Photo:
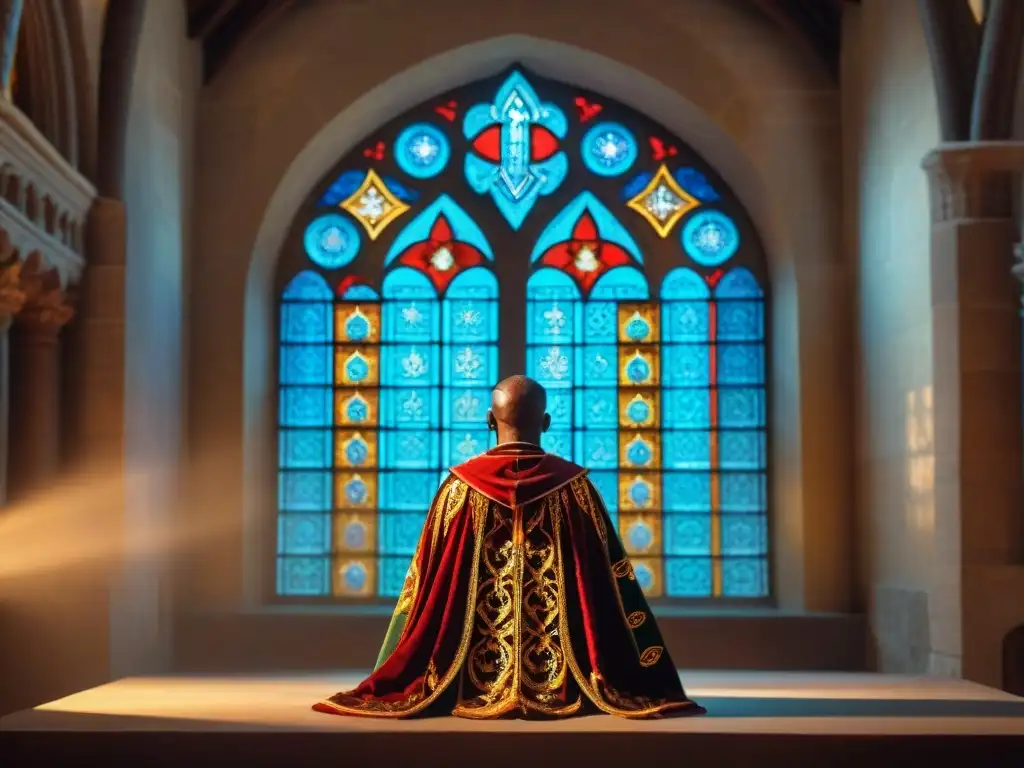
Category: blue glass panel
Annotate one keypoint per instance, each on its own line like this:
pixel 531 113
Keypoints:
pixel 470 320
pixel 686 409
pixel 342 188
pixel 621 284
pixel 685 365
pixel 600 449
pixel 740 364
pixel 412 408
pixel 410 365
pixel 633 187
pixel 551 365
pixel 516 180
pixel 307 322
pixel 561 228
pixel 687 491
pixel 468 407
pixel 409 449
pixel 608 149
pixel 308 286
pixel 743 492
pixel 463 445
pixel 422 151
pixel 558 443
pixel 741 408
pixel 475 283
pixel 710 238
pixel 560 408
pixel 744 535
pixel 740 321
pixel 304 491
pixel 738 283
pixel 688 577
pixel 305 449
pixel 391 573
pixel 470 365
pixel 747 577
pixel 331 241
pixel 463 228
pixel 306 407
pixel 689 449
pixel 599 408
pixel 402 192
pixel 694 182
pixel 400 533
pixel 599 366
pixel 301 534
pixel 687 535
pixel 408 490
pixel 548 283
pixel 601 322
pixel 306 364
pixel 551 321
pixel 410 320
pixel 360 292
pixel 742 450
pixel 683 283
pixel 685 321
pixel 407 283
pixel 607 484
pixel 303 576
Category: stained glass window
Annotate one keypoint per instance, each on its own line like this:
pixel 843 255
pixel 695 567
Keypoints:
pixel 631 286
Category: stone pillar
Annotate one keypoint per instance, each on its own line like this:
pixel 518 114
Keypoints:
pixel 12 298
pixel 35 425
pixel 979 486
pixel 10 25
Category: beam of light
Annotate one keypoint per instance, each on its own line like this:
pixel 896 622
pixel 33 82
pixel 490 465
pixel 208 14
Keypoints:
pixel 103 516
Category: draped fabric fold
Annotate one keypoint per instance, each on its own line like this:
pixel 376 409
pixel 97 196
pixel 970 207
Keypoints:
pixel 520 601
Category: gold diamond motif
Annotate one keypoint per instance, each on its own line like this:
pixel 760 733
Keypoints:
pixel 374 205
pixel 663 202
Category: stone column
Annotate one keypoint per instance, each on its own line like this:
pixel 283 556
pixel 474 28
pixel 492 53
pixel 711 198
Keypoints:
pixel 35 424
pixel 979 486
pixel 12 298
pixel 10 25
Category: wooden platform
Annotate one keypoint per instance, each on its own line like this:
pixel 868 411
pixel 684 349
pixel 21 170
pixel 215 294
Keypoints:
pixel 755 718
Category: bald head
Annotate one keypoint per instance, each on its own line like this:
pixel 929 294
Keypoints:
pixel 519 410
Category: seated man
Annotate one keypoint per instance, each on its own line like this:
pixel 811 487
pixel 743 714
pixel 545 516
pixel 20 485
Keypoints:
pixel 520 599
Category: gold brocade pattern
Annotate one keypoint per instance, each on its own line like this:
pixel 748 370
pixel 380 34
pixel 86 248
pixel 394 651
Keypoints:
pixel 581 491
pixel 456 501
pixel 636 619
pixel 516 661
pixel 623 569
pixel 651 655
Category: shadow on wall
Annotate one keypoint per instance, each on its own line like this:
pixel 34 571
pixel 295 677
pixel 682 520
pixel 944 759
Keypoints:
pixel 1013 661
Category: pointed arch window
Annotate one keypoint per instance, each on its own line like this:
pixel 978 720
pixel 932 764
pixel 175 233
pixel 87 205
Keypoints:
pixel 519 224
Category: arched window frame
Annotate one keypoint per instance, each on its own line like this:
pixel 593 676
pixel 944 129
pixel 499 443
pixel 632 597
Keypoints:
pixel 514 237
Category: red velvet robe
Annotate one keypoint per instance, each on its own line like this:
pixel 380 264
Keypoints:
pixel 519 601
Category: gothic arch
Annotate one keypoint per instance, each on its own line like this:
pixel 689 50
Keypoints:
pixel 735 149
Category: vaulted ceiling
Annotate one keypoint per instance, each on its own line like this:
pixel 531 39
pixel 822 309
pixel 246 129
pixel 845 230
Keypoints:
pixel 224 25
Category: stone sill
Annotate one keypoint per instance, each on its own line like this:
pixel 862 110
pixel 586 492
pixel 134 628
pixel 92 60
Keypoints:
pixel 303 637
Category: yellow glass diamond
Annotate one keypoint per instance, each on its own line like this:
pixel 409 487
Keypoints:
pixel 663 202
pixel 374 205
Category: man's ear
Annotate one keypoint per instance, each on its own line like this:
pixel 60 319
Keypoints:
pixel 492 423
pixel 547 422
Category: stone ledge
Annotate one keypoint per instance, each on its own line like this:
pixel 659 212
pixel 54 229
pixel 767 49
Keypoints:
pixel 307 638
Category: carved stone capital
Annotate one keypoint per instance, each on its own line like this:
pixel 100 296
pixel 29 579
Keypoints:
pixel 973 180
pixel 47 307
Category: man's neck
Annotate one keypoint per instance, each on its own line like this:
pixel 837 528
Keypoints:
pixel 515 436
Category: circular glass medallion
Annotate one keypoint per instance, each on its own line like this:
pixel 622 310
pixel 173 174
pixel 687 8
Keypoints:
pixel 640 536
pixel 608 149
pixel 710 238
pixel 354 576
pixel 331 241
pixel 644 576
pixel 422 151
pixel 355 535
